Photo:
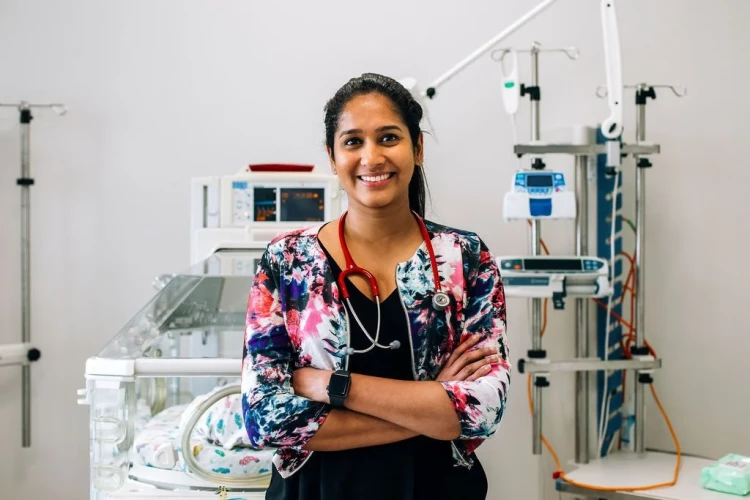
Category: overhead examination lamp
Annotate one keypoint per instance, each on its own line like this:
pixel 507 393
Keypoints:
pixel 611 127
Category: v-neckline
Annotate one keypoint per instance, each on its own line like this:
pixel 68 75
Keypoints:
pixel 331 261
pixel 336 271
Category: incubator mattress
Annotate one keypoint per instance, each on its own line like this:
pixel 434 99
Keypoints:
pixel 164 430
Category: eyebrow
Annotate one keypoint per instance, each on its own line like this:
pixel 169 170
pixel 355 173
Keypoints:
pixel 379 129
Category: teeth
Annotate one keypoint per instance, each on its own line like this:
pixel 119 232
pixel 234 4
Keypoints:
pixel 376 178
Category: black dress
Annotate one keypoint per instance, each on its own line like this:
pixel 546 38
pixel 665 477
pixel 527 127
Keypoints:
pixel 414 469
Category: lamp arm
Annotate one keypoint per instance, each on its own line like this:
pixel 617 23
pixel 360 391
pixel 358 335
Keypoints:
pixel 612 126
pixel 432 89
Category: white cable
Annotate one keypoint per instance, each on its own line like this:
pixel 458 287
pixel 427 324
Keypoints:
pixel 602 423
pixel 602 426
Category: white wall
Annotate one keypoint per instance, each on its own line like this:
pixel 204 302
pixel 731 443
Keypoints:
pixel 162 91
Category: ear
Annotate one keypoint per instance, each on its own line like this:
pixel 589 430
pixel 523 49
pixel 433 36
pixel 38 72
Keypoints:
pixel 330 159
pixel 419 150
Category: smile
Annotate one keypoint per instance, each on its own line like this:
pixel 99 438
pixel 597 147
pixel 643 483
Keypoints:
pixel 376 178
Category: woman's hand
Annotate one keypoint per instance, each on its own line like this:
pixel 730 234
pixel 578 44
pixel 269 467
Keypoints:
pixel 312 383
pixel 471 365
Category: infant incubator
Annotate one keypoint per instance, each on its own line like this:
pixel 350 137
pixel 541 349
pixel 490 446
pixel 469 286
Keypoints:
pixel 164 393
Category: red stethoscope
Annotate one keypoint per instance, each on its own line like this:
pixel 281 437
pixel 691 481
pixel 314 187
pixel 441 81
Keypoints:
pixel 440 299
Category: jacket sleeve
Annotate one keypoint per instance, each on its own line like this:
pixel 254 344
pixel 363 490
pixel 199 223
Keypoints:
pixel 480 404
pixel 273 415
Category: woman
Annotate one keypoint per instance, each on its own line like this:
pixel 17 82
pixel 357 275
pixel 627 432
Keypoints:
pixel 387 396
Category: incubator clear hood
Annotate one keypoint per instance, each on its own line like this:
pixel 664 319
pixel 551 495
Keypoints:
pixel 193 326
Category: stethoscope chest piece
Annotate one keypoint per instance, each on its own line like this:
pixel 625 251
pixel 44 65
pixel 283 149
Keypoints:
pixel 440 301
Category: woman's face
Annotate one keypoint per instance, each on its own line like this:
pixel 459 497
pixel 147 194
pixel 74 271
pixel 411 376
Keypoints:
pixel 373 155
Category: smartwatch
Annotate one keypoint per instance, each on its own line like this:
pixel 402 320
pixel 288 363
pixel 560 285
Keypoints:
pixel 338 387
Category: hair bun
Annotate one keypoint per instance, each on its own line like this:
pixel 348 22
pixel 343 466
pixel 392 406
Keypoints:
pixel 415 109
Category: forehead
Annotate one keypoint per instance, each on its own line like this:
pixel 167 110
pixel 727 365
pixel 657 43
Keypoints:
pixel 369 110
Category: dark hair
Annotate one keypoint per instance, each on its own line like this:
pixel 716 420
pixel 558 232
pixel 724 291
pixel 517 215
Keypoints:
pixel 406 106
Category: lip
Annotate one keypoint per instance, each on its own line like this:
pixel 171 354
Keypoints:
pixel 376 184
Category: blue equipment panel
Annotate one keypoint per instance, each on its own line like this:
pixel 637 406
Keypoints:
pixel 539 183
pixel 614 382
pixel 539 186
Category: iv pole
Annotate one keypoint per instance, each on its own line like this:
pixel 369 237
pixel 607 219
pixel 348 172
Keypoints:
pixel 611 129
pixel 24 354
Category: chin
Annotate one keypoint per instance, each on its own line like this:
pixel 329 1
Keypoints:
pixel 376 202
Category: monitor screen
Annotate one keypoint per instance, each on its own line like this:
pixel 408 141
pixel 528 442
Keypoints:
pixel 302 204
pixel 552 264
pixel 539 180
pixel 264 204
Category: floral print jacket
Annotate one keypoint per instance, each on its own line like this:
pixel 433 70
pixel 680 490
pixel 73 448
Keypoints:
pixel 296 318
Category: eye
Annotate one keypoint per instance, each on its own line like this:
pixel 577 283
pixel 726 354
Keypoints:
pixel 352 141
pixel 389 138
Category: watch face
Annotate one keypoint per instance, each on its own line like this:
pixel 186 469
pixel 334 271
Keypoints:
pixel 338 385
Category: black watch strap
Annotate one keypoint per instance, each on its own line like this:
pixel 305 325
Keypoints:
pixel 338 388
pixel 337 401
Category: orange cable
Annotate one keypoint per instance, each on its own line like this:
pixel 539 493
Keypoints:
pixel 628 286
pixel 631 335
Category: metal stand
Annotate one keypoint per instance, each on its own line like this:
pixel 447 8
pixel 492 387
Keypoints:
pixel 642 94
pixel 582 314
pixel 641 363
pixel 535 237
pixel 536 249
pixel 25 181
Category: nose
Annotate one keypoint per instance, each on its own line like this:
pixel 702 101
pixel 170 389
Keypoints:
pixel 371 155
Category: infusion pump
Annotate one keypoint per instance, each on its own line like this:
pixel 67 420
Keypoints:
pixel 246 210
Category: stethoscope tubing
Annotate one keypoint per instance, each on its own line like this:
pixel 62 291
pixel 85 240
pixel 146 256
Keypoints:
pixel 440 300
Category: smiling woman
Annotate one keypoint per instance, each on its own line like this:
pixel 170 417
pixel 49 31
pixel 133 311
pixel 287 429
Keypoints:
pixel 372 129
pixel 395 375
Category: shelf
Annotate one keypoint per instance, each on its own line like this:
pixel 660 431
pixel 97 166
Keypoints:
pixel 631 470
pixel 532 365
pixel 584 149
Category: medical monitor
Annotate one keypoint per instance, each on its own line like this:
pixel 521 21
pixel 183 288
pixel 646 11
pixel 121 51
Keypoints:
pixel 279 204
pixel 282 199
pixel 248 209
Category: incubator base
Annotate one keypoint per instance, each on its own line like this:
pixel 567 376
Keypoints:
pixel 176 479
pixel 629 469
pixel 137 491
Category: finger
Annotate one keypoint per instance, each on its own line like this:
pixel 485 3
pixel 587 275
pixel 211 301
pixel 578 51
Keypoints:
pixel 471 356
pixel 462 347
pixel 472 368
pixel 479 373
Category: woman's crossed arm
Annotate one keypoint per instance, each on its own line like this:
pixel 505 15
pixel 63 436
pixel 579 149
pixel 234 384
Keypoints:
pixel 379 410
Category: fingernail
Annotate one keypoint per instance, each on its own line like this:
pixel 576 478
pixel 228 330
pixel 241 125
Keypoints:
pixel 494 357
pixel 487 367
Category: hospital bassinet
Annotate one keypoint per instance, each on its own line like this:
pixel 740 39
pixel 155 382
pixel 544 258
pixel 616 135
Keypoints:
pixel 164 393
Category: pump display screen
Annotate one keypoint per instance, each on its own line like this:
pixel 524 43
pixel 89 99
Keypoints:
pixel 302 204
pixel 539 181
pixel 264 204
pixel 552 265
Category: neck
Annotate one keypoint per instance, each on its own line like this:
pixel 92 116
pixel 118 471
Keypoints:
pixel 379 227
